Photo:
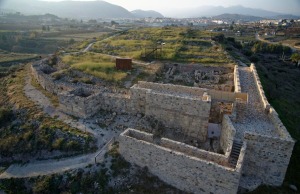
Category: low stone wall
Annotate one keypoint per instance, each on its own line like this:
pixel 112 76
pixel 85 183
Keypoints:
pixel 227 135
pixel 188 173
pixel 237 83
pixel 263 98
pixel 267 157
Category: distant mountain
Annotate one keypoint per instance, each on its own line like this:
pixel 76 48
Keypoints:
pixel 288 16
pixel 145 14
pixel 218 10
pixel 70 9
pixel 236 17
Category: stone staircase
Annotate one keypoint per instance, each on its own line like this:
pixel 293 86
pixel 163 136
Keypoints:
pixel 235 153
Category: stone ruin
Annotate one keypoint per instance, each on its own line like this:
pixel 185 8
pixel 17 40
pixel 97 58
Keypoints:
pixel 217 78
pixel 246 158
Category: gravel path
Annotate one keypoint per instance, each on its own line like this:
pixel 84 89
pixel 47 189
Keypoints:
pixel 253 119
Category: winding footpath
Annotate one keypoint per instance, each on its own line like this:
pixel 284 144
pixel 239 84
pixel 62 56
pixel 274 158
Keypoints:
pixel 51 166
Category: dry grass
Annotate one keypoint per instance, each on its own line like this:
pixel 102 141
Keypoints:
pixel 16 96
pixel 96 65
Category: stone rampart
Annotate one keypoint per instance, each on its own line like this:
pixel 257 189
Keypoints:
pixel 237 83
pixel 189 173
pixel 280 128
pixel 87 106
pixel 188 114
pixel 47 82
pixel 194 152
pixel 172 89
pixel 79 105
pixel 227 135
pixel 263 98
pixel 267 157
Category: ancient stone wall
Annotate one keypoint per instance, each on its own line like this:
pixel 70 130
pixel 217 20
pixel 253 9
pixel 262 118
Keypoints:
pixel 260 88
pixel 47 82
pixel 189 173
pixel 188 114
pixel 237 83
pixel 77 105
pixel 280 128
pixel 227 135
pixel 88 106
pixel 267 158
pixel 170 88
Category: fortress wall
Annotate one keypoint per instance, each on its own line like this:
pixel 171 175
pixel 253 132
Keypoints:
pixel 227 135
pixel 263 98
pixel 185 172
pixel 120 103
pixel 47 82
pixel 237 83
pixel 267 158
pixel 194 152
pixel 280 128
pixel 88 106
pixel 79 106
pixel 170 88
pixel 138 99
pixel 272 114
pixel 191 115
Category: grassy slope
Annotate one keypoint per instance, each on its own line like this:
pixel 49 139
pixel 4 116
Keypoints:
pixel 95 64
pixel 29 128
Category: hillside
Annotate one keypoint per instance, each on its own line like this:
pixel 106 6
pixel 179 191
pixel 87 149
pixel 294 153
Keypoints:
pixel 235 17
pixel 70 9
pixel 144 14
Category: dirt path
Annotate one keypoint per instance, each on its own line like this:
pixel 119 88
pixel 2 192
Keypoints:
pixel 39 98
pixel 55 166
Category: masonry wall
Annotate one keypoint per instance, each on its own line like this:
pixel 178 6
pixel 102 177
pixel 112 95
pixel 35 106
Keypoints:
pixel 79 106
pixel 237 83
pixel 263 98
pixel 88 106
pixel 227 135
pixel 188 114
pixel 185 172
pixel 47 82
pixel 170 88
pixel 267 158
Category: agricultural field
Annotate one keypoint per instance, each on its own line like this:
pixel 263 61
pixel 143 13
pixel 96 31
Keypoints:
pixel 168 43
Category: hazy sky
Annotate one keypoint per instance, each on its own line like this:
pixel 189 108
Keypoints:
pixel 171 6
pixel 166 6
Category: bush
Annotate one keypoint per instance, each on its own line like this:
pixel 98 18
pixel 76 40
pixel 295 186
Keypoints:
pixel 254 59
pixel 247 52
pixel 5 115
